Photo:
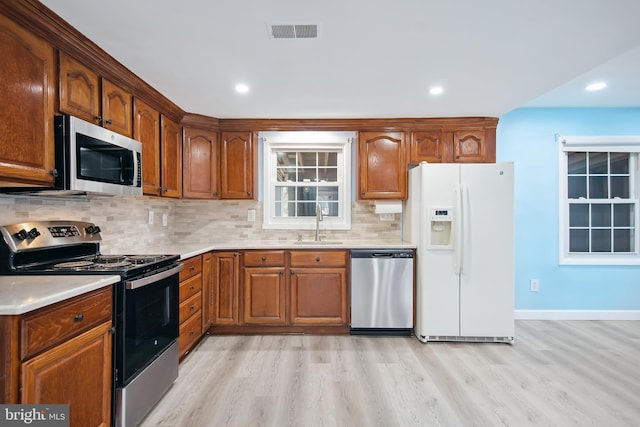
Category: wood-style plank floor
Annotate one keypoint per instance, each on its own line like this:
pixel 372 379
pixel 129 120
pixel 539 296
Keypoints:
pixel 558 373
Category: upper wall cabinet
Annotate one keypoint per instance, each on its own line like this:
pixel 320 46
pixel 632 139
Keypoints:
pixel 171 153
pixel 82 96
pixel 427 146
pixel 454 145
pixel 161 140
pixel 382 165
pixel 27 96
pixel 199 171
pixel 236 165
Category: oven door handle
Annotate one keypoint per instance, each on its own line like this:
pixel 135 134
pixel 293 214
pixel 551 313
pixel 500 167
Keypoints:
pixel 138 283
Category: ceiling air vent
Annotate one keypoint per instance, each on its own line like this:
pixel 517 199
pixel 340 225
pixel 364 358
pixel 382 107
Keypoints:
pixel 294 31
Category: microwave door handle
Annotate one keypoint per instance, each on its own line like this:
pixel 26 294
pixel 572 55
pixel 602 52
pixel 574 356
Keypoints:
pixel 138 283
pixel 121 170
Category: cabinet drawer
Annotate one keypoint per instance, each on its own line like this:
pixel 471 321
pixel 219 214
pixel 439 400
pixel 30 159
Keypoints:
pixel 318 258
pixel 264 258
pixel 190 287
pixel 190 331
pixel 192 266
pixel 52 325
pixel 190 306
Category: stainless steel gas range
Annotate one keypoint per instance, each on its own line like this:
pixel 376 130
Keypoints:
pixel 145 316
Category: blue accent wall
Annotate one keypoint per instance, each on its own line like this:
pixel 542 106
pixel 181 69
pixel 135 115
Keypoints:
pixel 527 136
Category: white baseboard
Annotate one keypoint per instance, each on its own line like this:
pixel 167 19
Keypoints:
pixel 577 314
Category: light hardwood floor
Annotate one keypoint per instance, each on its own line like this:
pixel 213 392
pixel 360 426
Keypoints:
pixel 562 373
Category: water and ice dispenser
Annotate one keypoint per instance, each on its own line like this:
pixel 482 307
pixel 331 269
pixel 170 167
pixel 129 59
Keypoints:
pixel 440 234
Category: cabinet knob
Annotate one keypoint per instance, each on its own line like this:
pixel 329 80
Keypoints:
pixel 215 193
pixel 78 317
pixel 108 121
pixel 165 190
pixel 236 254
pixel 159 190
pixel 192 287
pixel 318 259
pixel 457 157
pixel 264 258
pixel 98 118
pixel 191 332
pixel 54 173
pixel 249 193
pixel 362 194
pixel 193 267
pixel 192 306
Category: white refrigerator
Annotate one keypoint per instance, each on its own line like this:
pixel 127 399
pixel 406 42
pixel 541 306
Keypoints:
pixel 460 216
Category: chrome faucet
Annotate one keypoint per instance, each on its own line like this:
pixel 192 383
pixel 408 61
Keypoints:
pixel 318 219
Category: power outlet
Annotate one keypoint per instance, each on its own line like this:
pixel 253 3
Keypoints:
pixel 165 219
pixel 387 217
pixel 534 285
pixel 150 217
pixel 251 215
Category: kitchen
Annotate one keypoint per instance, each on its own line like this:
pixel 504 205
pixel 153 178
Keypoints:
pixel 219 221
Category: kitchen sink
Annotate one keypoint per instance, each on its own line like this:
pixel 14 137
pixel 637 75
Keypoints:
pixel 314 243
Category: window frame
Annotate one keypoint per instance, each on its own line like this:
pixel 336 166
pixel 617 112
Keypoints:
pixel 593 144
pixel 307 141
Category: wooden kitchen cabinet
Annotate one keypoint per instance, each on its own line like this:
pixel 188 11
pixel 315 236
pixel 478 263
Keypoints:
pixel 146 129
pixel 225 298
pixel 79 90
pixel 264 288
pixel 190 312
pixel 200 160
pixel 82 95
pixel 171 154
pixel 318 288
pixel 427 146
pixel 236 165
pixel 62 354
pixel 27 96
pixel 382 165
pixel 470 146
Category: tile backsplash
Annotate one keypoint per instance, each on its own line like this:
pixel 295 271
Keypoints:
pixel 125 220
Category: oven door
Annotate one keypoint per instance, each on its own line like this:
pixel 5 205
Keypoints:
pixel 146 321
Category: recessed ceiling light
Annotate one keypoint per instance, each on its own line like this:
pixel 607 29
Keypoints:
pixel 436 90
pixel 242 88
pixel 596 86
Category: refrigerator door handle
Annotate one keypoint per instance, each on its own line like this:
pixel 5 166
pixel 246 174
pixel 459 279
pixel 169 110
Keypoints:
pixel 457 268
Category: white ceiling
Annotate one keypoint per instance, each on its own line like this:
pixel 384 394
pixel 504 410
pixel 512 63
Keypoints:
pixel 373 58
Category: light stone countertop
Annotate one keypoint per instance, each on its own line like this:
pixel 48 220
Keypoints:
pixel 21 294
pixel 188 250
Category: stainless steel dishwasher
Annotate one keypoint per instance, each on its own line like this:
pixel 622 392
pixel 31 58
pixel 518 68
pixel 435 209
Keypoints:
pixel 381 291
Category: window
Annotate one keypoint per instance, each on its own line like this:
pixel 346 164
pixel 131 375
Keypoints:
pixel 599 200
pixel 304 171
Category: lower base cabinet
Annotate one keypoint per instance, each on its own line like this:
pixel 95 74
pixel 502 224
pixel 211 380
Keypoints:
pixel 61 354
pixel 190 312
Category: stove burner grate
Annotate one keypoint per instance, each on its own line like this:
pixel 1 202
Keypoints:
pixel 74 264
pixel 110 259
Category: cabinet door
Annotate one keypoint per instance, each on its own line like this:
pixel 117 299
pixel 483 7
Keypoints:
pixel 427 146
pixel 225 296
pixel 264 296
pixel 200 153
pixel 171 153
pixel 146 129
pixel 236 165
pixel 469 146
pixel 27 98
pixel 79 90
pixel 318 296
pixel 383 166
pixel 116 109
pixel 77 372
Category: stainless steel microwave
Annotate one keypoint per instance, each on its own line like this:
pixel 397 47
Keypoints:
pixel 92 160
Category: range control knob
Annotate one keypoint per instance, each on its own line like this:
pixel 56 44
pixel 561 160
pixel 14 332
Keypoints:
pixel 33 233
pixel 21 235
pixel 92 229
